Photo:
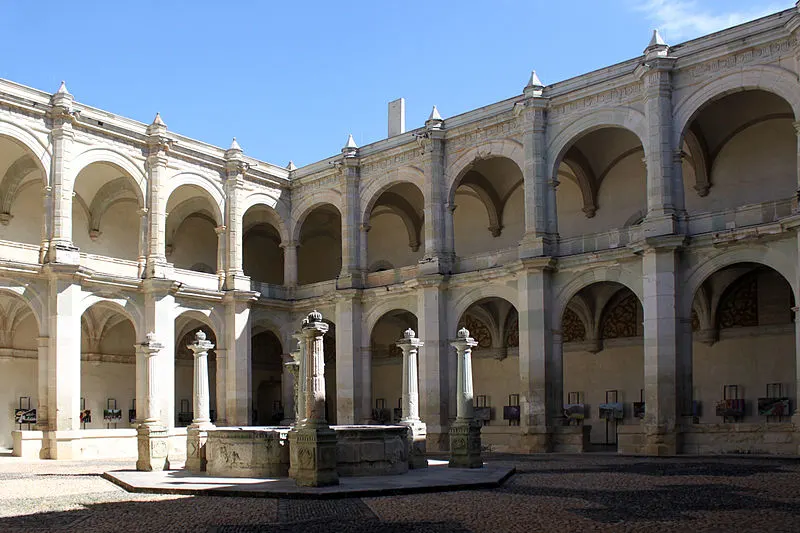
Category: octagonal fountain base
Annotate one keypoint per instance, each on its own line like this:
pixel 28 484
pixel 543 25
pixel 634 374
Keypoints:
pixel 264 451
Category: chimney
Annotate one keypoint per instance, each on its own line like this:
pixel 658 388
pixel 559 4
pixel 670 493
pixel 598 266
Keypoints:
pixel 397 117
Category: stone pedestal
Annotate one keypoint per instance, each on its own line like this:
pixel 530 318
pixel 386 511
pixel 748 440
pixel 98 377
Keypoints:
pixel 417 431
pixel 465 432
pixel 197 432
pixel 312 443
pixel 153 448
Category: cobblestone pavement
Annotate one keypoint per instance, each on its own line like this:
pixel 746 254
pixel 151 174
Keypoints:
pixel 548 493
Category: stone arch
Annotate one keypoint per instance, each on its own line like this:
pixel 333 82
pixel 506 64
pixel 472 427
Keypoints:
pixel 109 194
pixel 29 294
pixel 209 317
pixel 761 255
pixel 213 189
pixel 618 117
pixel 376 313
pixel 769 78
pixel 279 214
pixel 462 303
pixel 32 142
pixel 455 170
pixel 120 161
pixel 12 183
pixel 373 191
pixel 120 303
pixel 306 206
pixel 622 276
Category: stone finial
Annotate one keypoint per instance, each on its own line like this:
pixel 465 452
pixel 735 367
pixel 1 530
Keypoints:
pixel 409 334
pixel 535 87
pixel 350 148
pixel 314 316
pixel 62 89
pixel 291 166
pixel 62 97
pixel 463 333
pixel 657 46
pixel 200 336
pixel 158 127
pixel 151 337
pixel 435 120
pixel 157 121
pixel 656 40
pixel 434 114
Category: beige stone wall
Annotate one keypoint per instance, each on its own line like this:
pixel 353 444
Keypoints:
pixel 387 381
pixel 103 380
pixel 495 379
pixel 28 209
pixel 387 242
pixel 17 378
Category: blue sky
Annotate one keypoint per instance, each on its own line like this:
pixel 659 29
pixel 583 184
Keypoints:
pixel 290 80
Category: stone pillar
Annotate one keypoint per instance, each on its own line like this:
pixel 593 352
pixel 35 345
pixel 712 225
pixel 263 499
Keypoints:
pixel 289 263
pixel 159 305
pixel 312 442
pixel 433 360
pixel 438 255
pixel 197 432
pixel 47 222
pixel 417 432
pixel 659 302
pixel 298 370
pixel 63 362
pixel 288 387
pixel 538 224
pixel 42 414
pixel 62 136
pixel 349 386
pixel 235 169
pixel 351 274
pixel 153 442
pixel 158 146
pixel 663 193
pixel 239 372
pixel 221 386
pixel 796 204
pixel 143 243
pixel 540 403
pixel 465 432
pixel 365 396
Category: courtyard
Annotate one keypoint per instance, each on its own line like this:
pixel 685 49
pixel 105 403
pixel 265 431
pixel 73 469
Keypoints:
pixel 590 492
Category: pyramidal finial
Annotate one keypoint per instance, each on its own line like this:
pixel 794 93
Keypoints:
pixel 534 80
pixel 235 145
pixel 351 143
pixel 291 166
pixel 656 40
pixel 657 46
pixel 158 121
pixel 62 89
pixel 435 114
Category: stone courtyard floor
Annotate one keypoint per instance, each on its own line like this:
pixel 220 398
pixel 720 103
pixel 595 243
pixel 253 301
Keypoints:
pixel 548 493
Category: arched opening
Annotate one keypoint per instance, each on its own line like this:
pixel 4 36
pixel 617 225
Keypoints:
pixel 743 343
pixel 267 375
pixel 489 207
pixel 185 331
pixel 191 229
pixel 21 203
pixel 602 183
pixel 387 364
pixel 603 359
pixel 395 238
pixel 108 368
pixel 319 256
pixel 262 255
pixel 494 324
pixel 106 215
pixel 18 345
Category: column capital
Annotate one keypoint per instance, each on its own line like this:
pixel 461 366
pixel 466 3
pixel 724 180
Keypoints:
pixel 313 326
pixel 151 346
pixel 463 340
pixel 409 340
pixel 201 345
pixel 665 243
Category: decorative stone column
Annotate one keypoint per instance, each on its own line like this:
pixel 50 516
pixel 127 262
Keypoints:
pixel 289 263
pixel 465 432
pixel 289 389
pixel 153 443
pixel 158 146
pixel 197 432
pixel 350 172
pixel 298 370
pixel 438 249
pixel 312 442
pixel 417 432
pixel 235 169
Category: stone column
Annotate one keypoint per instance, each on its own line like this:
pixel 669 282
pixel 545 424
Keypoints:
pixel 433 360
pixel 43 392
pixel 663 193
pixel 221 386
pixel 289 263
pixel 465 432
pixel 351 274
pixel 235 169
pixel 152 437
pixel 239 372
pixel 62 136
pixel 437 253
pixel 197 432
pixel 288 387
pixel 158 146
pixel 143 243
pixel 532 113
pixel 312 442
pixel 417 432
pixel 349 386
pixel 159 305
pixel 298 371
pixel 47 222
pixel 659 302
pixel 539 371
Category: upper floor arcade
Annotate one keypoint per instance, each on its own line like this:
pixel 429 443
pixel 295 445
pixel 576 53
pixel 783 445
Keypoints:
pixel 698 139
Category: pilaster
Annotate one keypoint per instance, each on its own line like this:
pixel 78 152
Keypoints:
pixel 352 271
pixel 235 169
pixel 159 319
pixel 289 263
pixel 349 386
pixel 158 146
pixel 238 376
pixel 438 255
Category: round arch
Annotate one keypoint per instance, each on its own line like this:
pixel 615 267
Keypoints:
pixel 204 316
pixel 305 207
pixel 203 182
pixel 114 158
pixel 508 148
pixel 624 277
pixel 373 191
pixel 278 213
pixel 28 294
pixel 31 142
pixel 462 303
pixel 619 117
pixel 376 313
pixel 767 78
pixel 121 304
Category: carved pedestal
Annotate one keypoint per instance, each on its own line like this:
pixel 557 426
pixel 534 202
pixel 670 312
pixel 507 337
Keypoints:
pixel 153 447
pixel 417 439
pixel 196 437
pixel 465 444
pixel 312 456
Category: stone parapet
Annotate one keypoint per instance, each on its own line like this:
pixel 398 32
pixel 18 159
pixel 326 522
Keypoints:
pixel 250 452
pixel 371 450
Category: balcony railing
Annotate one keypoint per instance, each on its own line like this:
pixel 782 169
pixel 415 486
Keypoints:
pixel 391 277
pixel 198 280
pixel 741 216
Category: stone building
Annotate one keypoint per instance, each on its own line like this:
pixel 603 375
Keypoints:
pixel 627 235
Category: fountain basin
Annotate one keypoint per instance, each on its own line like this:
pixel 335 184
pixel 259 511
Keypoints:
pixel 264 451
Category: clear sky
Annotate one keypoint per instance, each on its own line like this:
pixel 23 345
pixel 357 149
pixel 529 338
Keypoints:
pixel 291 79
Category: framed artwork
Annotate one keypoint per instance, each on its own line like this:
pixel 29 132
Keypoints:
pixel 86 416
pixel 774 407
pixel 612 411
pixel 575 411
pixel 638 409
pixel 511 412
pixel 484 414
pixel 112 415
pixel 24 416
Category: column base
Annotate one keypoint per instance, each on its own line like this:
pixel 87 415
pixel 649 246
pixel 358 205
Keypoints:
pixel 417 443
pixel 312 456
pixel 536 439
pixel 153 448
pixel 660 442
pixel 62 445
pixel 196 437
pixel 465 444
